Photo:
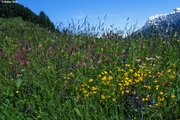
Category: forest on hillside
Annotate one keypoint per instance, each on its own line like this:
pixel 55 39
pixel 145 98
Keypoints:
pixel 18 10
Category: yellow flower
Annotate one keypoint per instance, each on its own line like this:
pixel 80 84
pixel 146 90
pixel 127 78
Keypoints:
pixel 121 88
pixel 158 104
pixel 145 86
pixel 143 99
pixel 120 70
pixel 172 75
pixel 86 95
pixel 150 106
pixel 160 74
pixel 161 93
pixel 125 74
pixel 113 99
pixel 148 96
pixel 99 75
pixel 161 99
pixel 94 92
pixel 173 65
pixel 140 78
pixel 82 89
pixel 110 78
pixel 126 79
pixel 90 80
pixel 104 78
pixel 131 70
pixel 157 87
pixel 173 96
pixel 103 97
pixel 127 65
pixel 105 72
pixel 136 75
pixel 126 83
pixel 148 87
pixel 155 81
pixel 17 91
pixel 130 81
pixel 85 91
pixel 137 81
pixel 169 70
pixel 93 88
pixel 127 91
pixel 120 84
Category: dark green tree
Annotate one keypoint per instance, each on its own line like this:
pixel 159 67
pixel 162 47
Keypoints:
pixel 18 10
pixel 44 21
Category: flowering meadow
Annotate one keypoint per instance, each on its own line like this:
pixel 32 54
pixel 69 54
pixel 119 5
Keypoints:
pixel 50 75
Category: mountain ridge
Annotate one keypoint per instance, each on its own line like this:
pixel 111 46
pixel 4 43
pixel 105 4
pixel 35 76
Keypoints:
pixel 162 24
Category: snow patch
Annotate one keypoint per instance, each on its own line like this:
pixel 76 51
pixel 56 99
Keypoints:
pixel 164 23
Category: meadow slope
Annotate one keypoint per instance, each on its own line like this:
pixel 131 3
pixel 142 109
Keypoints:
pixel 47 75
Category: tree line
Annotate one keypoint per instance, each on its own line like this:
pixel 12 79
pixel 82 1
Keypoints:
pixel 18 10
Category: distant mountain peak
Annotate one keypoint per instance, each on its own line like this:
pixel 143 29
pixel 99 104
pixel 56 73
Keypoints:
pixel 165 24
pixel 165 15
pixel 176 10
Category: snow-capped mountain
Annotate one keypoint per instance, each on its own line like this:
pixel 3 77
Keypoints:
pixel 163 24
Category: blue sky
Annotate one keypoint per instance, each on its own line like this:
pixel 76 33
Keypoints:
pixel 117 11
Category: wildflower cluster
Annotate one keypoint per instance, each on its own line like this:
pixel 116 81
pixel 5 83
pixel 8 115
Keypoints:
pixel 140 86
pixel 20 59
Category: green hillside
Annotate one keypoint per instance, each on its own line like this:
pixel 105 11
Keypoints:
pixel 53 76
pixel 18 10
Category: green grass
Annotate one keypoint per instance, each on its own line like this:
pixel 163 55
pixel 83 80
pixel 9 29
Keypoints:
pixel 47 75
